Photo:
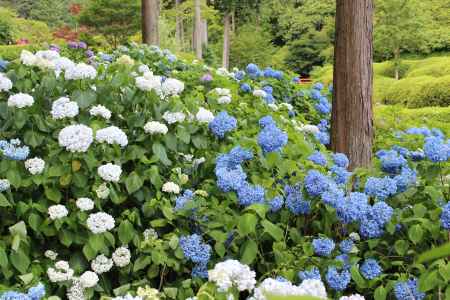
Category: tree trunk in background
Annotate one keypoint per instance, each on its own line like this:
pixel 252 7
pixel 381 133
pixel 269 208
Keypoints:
pixel 352 117
pixel 204 33
pixel 178 27
pixel 233 21
pixel 150 18
pixel 198 30
pixel 226 41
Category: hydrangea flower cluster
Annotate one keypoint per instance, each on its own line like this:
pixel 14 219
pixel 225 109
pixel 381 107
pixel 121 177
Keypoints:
pixel 112 135
pixel 20 100
pixel 232 273
pixel 100 111
pixel 318 158
pixel 100 222
pixel 34 293
pixel 76 138
pixel 338 281
pixel 370 269
pixel 323 246
pixel 35 165
pixel 5 83
pixel 294 200
pixel 222 124
pixel 183 200
pixel 110 172
pixel 408 290
pixel 154 127
pixel 195 250
pixel 271 138
pixel 64 108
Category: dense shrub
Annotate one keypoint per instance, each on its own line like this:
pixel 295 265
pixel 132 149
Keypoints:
pixel 196 167
pixel 11 52
pixel 5 33
pixel 419 92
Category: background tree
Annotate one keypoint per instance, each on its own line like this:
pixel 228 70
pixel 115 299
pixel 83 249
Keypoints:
pixel 400 27
pixel 351 125
pixel 117 20
pixel 150 21
pixel 198 30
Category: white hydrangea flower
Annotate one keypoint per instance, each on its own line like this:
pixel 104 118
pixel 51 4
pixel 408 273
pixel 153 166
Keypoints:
pixel 150 233
pixel 85 204
pixel 222 72
pixel 172 87
pixel 88 279
pixel 154 127
pixel 100 111
pixel 60 272
pixel 35 165
pixel 224 99
pixel 175 117
pixel 62 64
pixel 100 222
pixel 352 297
pixel 102 191
pixel 110 172
pixel 76 290
pixel 287 105
pixel 64 108
pixel 43 63
pixel 5 83
pixel 47 54
pixel 57 211
pixel 80 71
pixel 311 129
pixel 76 138
pixel 112 135
pixel 27 58
pixel 51 254
pixel 144 69
pixel 232 273
pixel 204 116
pixel 259 93
pixel 101 264
pixel 127 297
pixel 148 82
pixel 121 257
pixel 171 187
pixel 4 185
pixel 125 60
pixel 20 100
pixel 198 161
pixel 309 287
pixel 273 106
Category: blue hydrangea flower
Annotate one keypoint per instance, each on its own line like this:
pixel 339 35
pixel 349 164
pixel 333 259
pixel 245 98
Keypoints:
pixel 276 204
pixel 268 72
pixel 340 175
pixel 315 94
pixel 194 249
pixel 436 149
pixel 234 158
pixel 3 65
pixel 323 246
pixel 269 99
pixel 318 86
pixel 249 194
pixel 322 137
pixel 200 270
pixel 222 123
pixel 272 139
pixel 252 69
pixel 13 149
pixel 277 75
pixel 313 273
pixel 405 179
pixel 408 290
pixel 266 121
pixel 420 131
pixel 318 158
pixel 373 221
pixel 334 196
pixel 346 246
pixel 370 269
pixel 392 162
pixel 323 106
pixel 239 75
pixel 345 260
pixel 353 208
pixel 36 292
pixel 445 216
pixel 295 202
pixel 341 160
pixel 437 133
pixel 381 188
pixel 268 89
pixel 11 295
pixel 417 155
pixel 246 88
pixel 401 150
pixel 106 57
pixel 182 200
pixel 338 281
pixel 316 183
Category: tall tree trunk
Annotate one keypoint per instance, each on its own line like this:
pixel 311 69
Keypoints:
pixel 226 41
pixel 233 21
pixel 204 32
pixel 198 30
pixel 150 19
pixel 178 26
pixel 352 117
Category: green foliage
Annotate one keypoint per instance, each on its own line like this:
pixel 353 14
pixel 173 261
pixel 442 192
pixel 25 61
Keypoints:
pixel 5 33
pixel 117 20
pixel 251 44
pixel 12 52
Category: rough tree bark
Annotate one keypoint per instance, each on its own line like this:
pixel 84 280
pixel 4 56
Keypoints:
pixel 352 117
pixel 150 19
pixel 226 41
pixel 198 30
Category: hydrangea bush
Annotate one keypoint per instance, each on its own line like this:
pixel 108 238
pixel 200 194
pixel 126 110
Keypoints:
pixel 140 176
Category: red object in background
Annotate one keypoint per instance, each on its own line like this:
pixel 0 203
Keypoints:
pixel 305 81
pixel 68 34
pixel 75 9
pixel 22 42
